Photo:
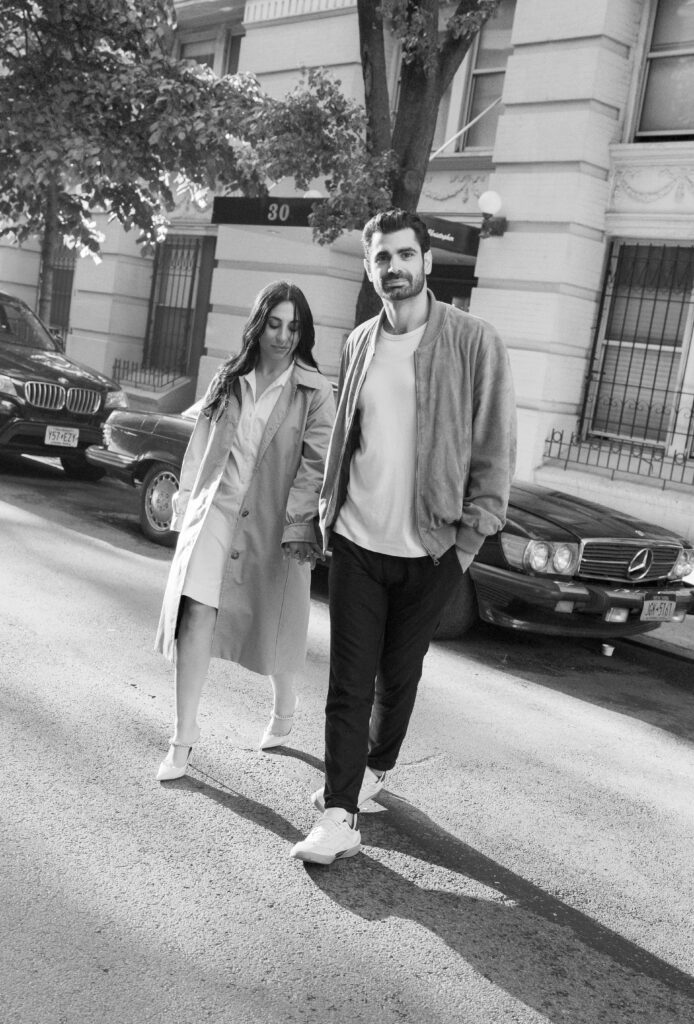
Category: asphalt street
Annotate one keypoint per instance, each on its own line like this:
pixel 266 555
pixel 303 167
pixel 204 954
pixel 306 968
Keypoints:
pixel 529 861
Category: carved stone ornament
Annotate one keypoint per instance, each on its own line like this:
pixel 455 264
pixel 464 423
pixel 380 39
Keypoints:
pixel 466 187
pixel 652 184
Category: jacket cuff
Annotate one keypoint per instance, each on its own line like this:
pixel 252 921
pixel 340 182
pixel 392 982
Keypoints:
pixel 302 532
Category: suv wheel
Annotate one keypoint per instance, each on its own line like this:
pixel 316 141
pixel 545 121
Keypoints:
pixel 77 467
pixel 159 485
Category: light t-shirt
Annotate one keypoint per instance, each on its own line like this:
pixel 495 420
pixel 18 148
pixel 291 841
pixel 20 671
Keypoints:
pixel 255 412
pixel 378 512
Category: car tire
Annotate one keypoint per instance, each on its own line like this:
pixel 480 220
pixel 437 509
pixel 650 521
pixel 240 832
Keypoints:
pixel 461 612
pixel 159 484
pixel 76 467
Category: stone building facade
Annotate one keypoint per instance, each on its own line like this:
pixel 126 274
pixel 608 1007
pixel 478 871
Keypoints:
pixel 581 122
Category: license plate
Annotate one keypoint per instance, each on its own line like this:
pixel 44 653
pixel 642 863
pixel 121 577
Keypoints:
pixel 657 609
pixel 65 437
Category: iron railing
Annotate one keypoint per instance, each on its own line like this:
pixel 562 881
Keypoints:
pixel 126 371
pixel 669 459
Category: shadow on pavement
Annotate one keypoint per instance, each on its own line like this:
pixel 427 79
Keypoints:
pixel 575 666
pixel 102 509
pixel 520 938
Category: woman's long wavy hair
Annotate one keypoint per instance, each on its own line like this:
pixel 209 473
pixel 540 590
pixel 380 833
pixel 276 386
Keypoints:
pixel 247 359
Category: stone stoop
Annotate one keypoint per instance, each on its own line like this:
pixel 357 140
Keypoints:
pixel 175 398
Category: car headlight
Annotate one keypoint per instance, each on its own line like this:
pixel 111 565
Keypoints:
pixel 7 386
pixel 116 400
pixel 684 564
pixel 540 556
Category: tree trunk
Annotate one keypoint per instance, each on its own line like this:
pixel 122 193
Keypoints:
pixel 375 75
pixel 413 134
pixel 419 98
pixel 49 247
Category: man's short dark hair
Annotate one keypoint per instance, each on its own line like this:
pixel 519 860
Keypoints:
pixel 395 220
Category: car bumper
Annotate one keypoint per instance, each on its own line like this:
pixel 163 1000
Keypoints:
pixel 26 437
pixel 120 466
pixel 544 605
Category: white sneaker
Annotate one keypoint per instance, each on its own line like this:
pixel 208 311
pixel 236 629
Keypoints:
pixel 371 786
pixel 333 837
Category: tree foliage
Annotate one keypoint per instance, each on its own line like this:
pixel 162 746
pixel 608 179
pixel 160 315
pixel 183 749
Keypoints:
pixel 433 37
pixel 96 114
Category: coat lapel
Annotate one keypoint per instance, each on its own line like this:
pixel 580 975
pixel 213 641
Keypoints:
pixel 276 417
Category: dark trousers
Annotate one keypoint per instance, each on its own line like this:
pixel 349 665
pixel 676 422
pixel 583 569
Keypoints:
pixel 384 611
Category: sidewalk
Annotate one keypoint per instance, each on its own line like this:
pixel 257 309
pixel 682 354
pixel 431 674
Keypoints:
pixel 674 638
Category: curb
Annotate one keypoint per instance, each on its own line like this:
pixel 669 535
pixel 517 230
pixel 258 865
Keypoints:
pixel 673 650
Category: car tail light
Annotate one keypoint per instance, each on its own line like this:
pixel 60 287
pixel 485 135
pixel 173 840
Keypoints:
pixel 106 434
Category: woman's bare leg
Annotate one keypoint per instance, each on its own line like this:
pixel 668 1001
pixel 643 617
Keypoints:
pixel 284 686
pixel 193 653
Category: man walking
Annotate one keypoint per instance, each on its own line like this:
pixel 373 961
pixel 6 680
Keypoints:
pixel 417 475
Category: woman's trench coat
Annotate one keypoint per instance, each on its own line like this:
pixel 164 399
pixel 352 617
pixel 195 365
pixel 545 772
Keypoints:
pixel 264 602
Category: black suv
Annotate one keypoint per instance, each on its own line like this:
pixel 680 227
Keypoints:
pixel 49 405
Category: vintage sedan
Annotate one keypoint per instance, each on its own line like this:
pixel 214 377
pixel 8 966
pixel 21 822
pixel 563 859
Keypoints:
pixel 560 566
pixel 146 450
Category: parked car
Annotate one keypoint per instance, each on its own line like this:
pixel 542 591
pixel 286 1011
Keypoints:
pixel 146 450
pixel 49 404
pixel 560 566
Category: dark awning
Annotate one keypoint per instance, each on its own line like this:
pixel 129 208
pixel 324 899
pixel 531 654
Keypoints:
pixel 282 211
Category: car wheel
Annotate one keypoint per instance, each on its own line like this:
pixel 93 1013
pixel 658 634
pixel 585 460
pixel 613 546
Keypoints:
pixel 460 613
pixel 77 468
pixel 159 485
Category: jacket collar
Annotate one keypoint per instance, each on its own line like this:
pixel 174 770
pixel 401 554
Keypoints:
pixel 305 376
pixel 437 315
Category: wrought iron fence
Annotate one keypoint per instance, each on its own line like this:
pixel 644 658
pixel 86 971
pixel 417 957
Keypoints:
pixel 128 372
pixel 669 460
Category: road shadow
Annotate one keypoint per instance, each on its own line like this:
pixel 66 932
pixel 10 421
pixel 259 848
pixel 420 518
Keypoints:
pixel 105 509
pixel 520 938
pixel 575 666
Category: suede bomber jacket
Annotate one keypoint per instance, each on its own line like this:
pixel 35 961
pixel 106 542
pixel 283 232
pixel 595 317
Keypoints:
pixel 466 430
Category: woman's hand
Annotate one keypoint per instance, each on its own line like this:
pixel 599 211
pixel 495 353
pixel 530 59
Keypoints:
pixel 303 551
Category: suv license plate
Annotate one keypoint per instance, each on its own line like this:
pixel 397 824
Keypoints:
pixel 657 609
pixel 65 437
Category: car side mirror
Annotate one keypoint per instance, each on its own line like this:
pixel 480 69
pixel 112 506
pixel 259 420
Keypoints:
pixel 58 339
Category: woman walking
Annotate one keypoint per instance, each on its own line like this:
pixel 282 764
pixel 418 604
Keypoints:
pixel 239 584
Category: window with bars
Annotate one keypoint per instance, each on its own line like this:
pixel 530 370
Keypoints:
pixel 640 360
pixel 666 105
pixel 61 294
pixel 172 303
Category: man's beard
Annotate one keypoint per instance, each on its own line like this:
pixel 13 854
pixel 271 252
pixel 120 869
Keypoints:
pixel 413 286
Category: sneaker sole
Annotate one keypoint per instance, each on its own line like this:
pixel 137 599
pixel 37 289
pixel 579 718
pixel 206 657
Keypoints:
pixel 324 858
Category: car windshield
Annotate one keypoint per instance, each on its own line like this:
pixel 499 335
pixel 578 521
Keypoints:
pixel 19 326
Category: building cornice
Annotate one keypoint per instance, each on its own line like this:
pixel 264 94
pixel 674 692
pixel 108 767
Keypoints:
pixel 266 11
